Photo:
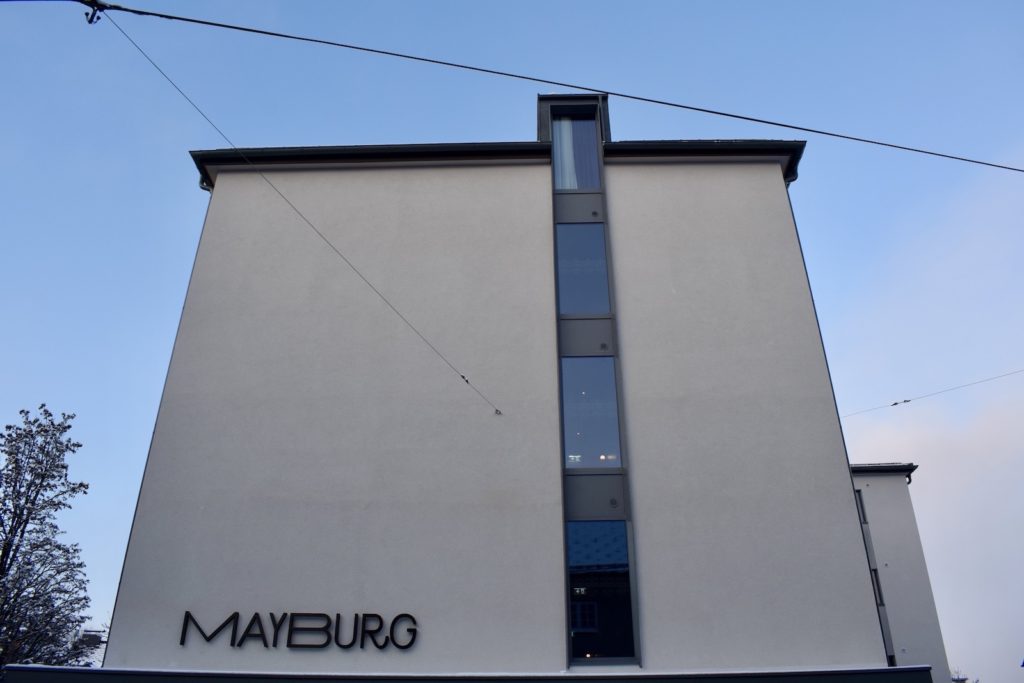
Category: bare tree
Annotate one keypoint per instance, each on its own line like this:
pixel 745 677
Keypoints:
pixel 42 579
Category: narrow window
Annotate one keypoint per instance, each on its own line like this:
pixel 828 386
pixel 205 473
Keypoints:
pixel 601 623
pixel 860 506
pixel 574 149
pixel 590 412
pixel 877 586
pixel 582 269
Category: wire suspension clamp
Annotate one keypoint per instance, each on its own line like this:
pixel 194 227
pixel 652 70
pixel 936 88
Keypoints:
pixel 95 7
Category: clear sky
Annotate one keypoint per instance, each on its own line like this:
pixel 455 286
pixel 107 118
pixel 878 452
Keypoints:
pixel 914 262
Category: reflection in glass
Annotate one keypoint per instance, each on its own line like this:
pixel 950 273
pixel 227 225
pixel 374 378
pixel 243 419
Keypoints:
pixel 574 150
pixel 590 412
pixel 600 609
pixel 582 269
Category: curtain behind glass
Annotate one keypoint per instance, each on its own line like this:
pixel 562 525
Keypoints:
pixel 562 151
pixel 584 149
pixel 574 148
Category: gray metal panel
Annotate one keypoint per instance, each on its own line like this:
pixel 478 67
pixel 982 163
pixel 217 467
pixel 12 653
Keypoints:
pixel 579 207
pixel 586 337
pixel 595 496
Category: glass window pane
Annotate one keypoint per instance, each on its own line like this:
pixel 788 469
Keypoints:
pixel 574 152
pixel 600 608
pixel 590 412
pixel 582 269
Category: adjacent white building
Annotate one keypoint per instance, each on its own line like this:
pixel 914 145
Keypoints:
pixel 896 558
pixel 643 474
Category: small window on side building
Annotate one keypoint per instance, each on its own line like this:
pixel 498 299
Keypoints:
pixel 860 506
pixel 877 585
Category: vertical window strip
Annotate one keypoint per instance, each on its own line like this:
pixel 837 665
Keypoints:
pixel 601 605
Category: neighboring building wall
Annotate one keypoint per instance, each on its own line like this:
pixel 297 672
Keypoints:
pixel 749 553
pixel 312 454
pixel 891 531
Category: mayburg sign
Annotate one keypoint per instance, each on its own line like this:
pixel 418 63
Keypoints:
pixel 308 630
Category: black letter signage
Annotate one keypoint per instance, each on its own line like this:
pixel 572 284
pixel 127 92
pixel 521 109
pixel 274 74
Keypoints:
pixel 311 630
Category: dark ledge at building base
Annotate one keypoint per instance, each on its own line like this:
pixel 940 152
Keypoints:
pixel 46 674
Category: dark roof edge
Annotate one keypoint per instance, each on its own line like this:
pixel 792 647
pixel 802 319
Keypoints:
pixel 462 151
pixel 792 150
pixel 907 468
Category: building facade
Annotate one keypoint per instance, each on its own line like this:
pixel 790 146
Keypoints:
pixel 910 625
pixel 545 409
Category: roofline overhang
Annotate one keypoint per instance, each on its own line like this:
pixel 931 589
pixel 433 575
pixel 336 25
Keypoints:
pixel 786 153
pixel 211 162
pixel 884 468
pixel 907 469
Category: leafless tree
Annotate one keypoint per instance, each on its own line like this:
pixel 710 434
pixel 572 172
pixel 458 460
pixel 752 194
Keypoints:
pixel 42 579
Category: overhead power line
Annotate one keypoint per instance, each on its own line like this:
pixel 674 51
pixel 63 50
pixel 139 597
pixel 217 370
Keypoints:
pixel 302 216
pixel 97 6
pixel 935 393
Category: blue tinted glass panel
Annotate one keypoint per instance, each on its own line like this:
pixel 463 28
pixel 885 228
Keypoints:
pixel 582 269
pixel 600 608
pixel 574 153
pixel 590 413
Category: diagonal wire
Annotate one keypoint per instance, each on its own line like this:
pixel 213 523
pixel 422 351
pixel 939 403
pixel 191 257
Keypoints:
pixel 935 393
pixel 305 220
pixel 103 7
pixel 97 5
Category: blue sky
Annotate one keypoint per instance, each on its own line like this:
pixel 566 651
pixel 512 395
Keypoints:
pixel 913 261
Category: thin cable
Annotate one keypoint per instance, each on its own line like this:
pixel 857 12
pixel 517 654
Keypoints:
pixel 104 7
pixel 935 393
pixel 308 222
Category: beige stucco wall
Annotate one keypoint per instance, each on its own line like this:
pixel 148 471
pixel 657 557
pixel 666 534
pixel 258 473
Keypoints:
pixel 312 454
pixel 749 553
pixel 903 573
